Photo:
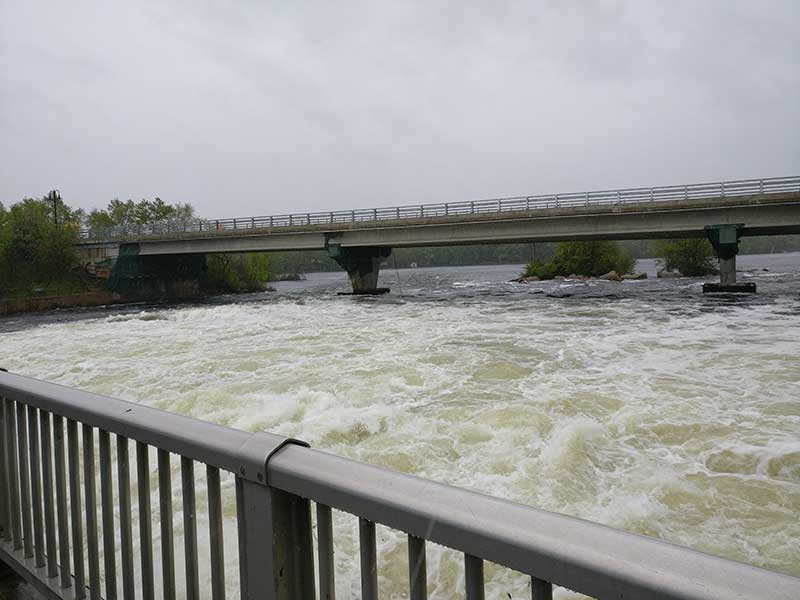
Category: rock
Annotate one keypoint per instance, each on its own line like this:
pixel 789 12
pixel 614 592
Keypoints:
pixel 559 277
pixel 525 279
pixel 611 276
pixel 631 276
pixel 669 274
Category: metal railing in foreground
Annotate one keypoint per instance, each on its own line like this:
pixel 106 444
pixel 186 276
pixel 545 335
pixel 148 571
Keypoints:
pixel 697 191
pixel 54 531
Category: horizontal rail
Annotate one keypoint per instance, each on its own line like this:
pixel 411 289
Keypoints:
pixel 593 559
pixel 273 515
pixel 226 448
pixel 697 191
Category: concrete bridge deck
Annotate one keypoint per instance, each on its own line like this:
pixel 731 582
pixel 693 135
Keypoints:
pixel 769 214
pixel 360 239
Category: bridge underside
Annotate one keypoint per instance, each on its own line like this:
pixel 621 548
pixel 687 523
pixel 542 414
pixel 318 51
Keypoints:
pixel 773 214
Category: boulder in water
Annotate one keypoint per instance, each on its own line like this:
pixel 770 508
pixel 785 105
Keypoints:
pixel 669 274
pixel 611 276
pixel 632 276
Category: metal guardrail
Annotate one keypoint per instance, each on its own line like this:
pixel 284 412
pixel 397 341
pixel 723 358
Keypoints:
pixel 46 496
pixel 744 187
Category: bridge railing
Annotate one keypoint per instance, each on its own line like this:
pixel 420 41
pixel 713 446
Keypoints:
pixel 57 535
pixel 698 191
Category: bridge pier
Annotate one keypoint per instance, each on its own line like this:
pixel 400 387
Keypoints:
pixel 362 265
pixel 725 240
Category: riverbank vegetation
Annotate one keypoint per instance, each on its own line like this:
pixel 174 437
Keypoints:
pixel 238 273
pixel 145 211
pixel 588 259
pixel 37 254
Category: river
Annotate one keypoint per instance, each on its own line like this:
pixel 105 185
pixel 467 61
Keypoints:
pixel 644 405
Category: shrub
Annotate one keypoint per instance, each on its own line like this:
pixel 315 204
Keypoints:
pixel 236 273
pixel 583 258
pixel 693 257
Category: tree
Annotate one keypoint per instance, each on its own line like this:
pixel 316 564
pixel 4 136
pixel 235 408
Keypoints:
pixel 238 272
pixel 583 258
pixel 694 257
pixel 34 250
pixel 119 213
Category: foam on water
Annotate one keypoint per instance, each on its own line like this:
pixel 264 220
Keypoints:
pixel 647 407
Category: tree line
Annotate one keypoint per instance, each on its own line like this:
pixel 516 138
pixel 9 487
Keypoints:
pixel 37 255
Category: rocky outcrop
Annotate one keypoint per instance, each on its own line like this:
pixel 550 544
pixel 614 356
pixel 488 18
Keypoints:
pixel 525 279
pixel 669 274
pixel 634 276
pixel 611 276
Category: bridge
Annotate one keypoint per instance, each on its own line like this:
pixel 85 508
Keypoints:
pixel 56 442
pixel 359 240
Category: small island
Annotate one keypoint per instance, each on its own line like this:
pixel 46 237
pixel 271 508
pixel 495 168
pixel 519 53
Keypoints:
pixel 611 262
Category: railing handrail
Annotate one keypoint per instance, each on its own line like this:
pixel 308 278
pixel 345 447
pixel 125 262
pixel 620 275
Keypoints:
pixel 586 557
pixel 736 187
pixel 581 555
pixel 226 448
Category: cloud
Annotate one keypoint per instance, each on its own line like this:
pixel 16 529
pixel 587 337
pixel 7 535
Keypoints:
pixel 266 107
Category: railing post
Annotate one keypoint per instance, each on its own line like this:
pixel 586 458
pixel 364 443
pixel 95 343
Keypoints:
pixel 398 212
pixel 252 222
pixel 308 218
pixel 760 186
pixel 352 216
pixel 4 524
pixel 270 221
pixel 686 192
pixel 331 216
pixel 275 545
pixel 374 214
pixel 722 189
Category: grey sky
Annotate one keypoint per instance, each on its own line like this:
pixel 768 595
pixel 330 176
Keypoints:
pixel 260 107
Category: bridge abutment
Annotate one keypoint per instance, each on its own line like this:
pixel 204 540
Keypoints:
pixel 169 276
pixel 725 240
pixel 362 265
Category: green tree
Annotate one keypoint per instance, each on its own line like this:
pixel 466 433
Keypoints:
pixel 34 250
pixel 234 273
pixel 583 258
pixel 694 257
pixel 145 211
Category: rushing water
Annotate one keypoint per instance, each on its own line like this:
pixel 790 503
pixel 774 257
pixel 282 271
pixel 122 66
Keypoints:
pixel 643 405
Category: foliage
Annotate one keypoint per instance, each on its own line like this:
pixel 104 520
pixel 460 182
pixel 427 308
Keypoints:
pixel 693 257
pixel 36 253
pixel 139 213
pixel 234 273
pixel 582 258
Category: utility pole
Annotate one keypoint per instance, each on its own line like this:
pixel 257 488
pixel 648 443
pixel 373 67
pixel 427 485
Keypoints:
pixel 54 197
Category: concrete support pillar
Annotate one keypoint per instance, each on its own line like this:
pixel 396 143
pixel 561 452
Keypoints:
pixel 362 265
pixel 727 271
pixel 725 240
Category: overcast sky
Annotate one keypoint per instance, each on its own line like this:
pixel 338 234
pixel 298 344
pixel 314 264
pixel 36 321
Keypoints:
pixel 258 107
